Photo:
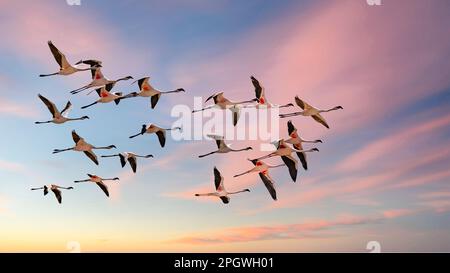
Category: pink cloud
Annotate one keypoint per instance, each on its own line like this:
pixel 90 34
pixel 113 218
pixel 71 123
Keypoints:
pixel 11 166
pixel 400 139
pixel 397 213
pixel 438 201
pixel 436 194
pixel 440 206
pixel 423 180
pixel 11 108
pixel 286 231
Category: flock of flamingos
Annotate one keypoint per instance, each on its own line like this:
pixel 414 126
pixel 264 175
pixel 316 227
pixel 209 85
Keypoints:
pixel 103 87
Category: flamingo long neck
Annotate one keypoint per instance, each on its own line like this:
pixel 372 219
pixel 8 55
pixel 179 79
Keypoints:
pixel 62 150
pixel 301 113
pixel 310 141
pixel 173 91
pixel 144 156
pixel 207 194
pixel 82 181
pixel 235 192
pixel 83 69
pixel 121 79
pixel 243 173
pixel 170 129
pixel 109 155
pixel 286 105
pixel 71 119
pixel 239 150
pixel 101 148
pixel 241 102
pixel 329 110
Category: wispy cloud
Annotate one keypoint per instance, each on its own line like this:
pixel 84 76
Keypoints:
pixel 399 140
pixel 287 231
pixel 437 200
pixel 11 166
pixel 11 108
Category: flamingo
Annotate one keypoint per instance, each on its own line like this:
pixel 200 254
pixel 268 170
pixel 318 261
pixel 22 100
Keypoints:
pixel 130 157
pixel 297 141
pixel 311 111
pixel 223 103
pixel 65 68
pixel 54 189
pixel 99 181
pixel 220 189
pixel 285 152
pixel 160 132
pixel 222 147
pixel 106 95
pixel 58 117
pixel 146 90
pixel 98 80
pixel 261 97
pixel 82 146
pixel 263 170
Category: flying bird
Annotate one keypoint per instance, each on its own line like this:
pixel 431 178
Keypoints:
pixel 297 141
pixel 82 146
pixel 263 170
pixel 54 189
pixel 106 96
pixel 98 80
pixel 58 117
pixel 160 132
pixel 130 157
pixel 147 90
pixel 223 103
pixel 220 192
pixel 285 152
pixel 65 68
pixel 261 100
pixel 311 111
pixel 222 147
pixel 99 181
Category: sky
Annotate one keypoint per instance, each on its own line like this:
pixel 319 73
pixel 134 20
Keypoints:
pixel 381 173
